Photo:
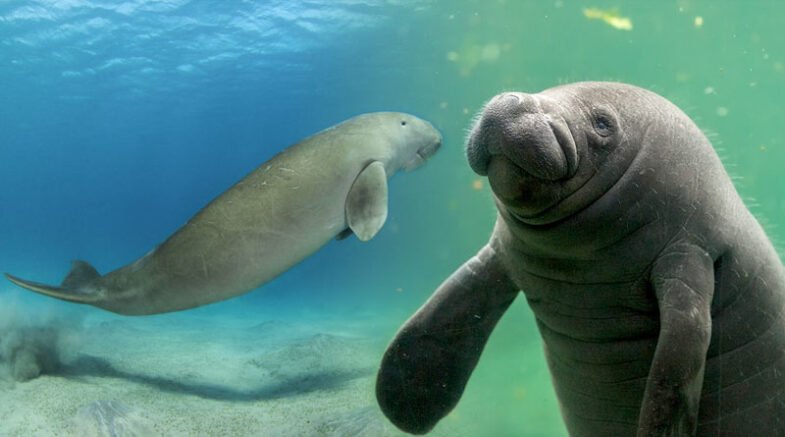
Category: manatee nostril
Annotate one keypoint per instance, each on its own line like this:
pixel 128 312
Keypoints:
pixel 511 124
pixel 511 97
pixel 514 104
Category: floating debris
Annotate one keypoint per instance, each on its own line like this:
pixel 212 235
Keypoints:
pixel 682 76
pixel 477 184
pixel 471 55
pixel 610 17
pixel 722 111
pixel 490 52
pixel 698 22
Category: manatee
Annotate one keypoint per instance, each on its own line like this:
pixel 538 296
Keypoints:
pixel 658 296
pixel 329 185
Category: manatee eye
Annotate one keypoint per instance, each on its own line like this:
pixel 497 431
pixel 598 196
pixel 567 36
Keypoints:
pixel 403 123
pixel 603 124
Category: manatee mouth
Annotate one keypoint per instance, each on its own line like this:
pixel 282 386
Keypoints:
pixel 426 152
pixel 526 149
pixel 514 125
pixel 422 154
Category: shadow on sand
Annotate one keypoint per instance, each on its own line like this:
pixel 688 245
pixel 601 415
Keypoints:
pixel 330 380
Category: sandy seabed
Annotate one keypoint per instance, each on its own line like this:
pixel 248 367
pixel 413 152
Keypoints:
pixel 232 372
pixel 202 376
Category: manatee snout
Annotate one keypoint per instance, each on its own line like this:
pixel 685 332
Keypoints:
pixel 515 126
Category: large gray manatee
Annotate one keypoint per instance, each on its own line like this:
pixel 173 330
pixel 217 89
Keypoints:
pixel 658 296
pixel 329 185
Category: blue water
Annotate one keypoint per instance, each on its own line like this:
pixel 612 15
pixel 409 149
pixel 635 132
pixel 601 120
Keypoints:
pixel 126 118
pixel 120 119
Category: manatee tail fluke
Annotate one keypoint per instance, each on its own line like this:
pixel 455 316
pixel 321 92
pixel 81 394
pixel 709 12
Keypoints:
pixel 78 285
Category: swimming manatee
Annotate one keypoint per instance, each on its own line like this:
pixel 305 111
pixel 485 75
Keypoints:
pixel 329 185
pixel 657 295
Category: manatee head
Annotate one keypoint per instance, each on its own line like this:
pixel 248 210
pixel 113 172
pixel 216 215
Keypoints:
pixel 419 140
pixel 405 141
pixel 549 155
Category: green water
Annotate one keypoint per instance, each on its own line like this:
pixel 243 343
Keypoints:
pixel 723 62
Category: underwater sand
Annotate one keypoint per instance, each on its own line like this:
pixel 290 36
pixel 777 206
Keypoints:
pixel 194 376
pixel 216 373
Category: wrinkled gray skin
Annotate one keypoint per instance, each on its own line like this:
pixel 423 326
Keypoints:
pixel 325 186
pixel 657 294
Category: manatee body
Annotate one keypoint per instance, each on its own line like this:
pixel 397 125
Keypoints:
pixel 329 185
pixel 657 295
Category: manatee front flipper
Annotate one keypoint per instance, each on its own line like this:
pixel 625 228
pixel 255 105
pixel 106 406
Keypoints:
pixel 683 281
pixel 366 204
pixel 425 369
pixel 78 286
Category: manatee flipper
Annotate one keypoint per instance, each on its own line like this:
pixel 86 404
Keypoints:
pixel 366 203
pixel 425 369
pixel 78 285
pixel 344 234
pixel 683 282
